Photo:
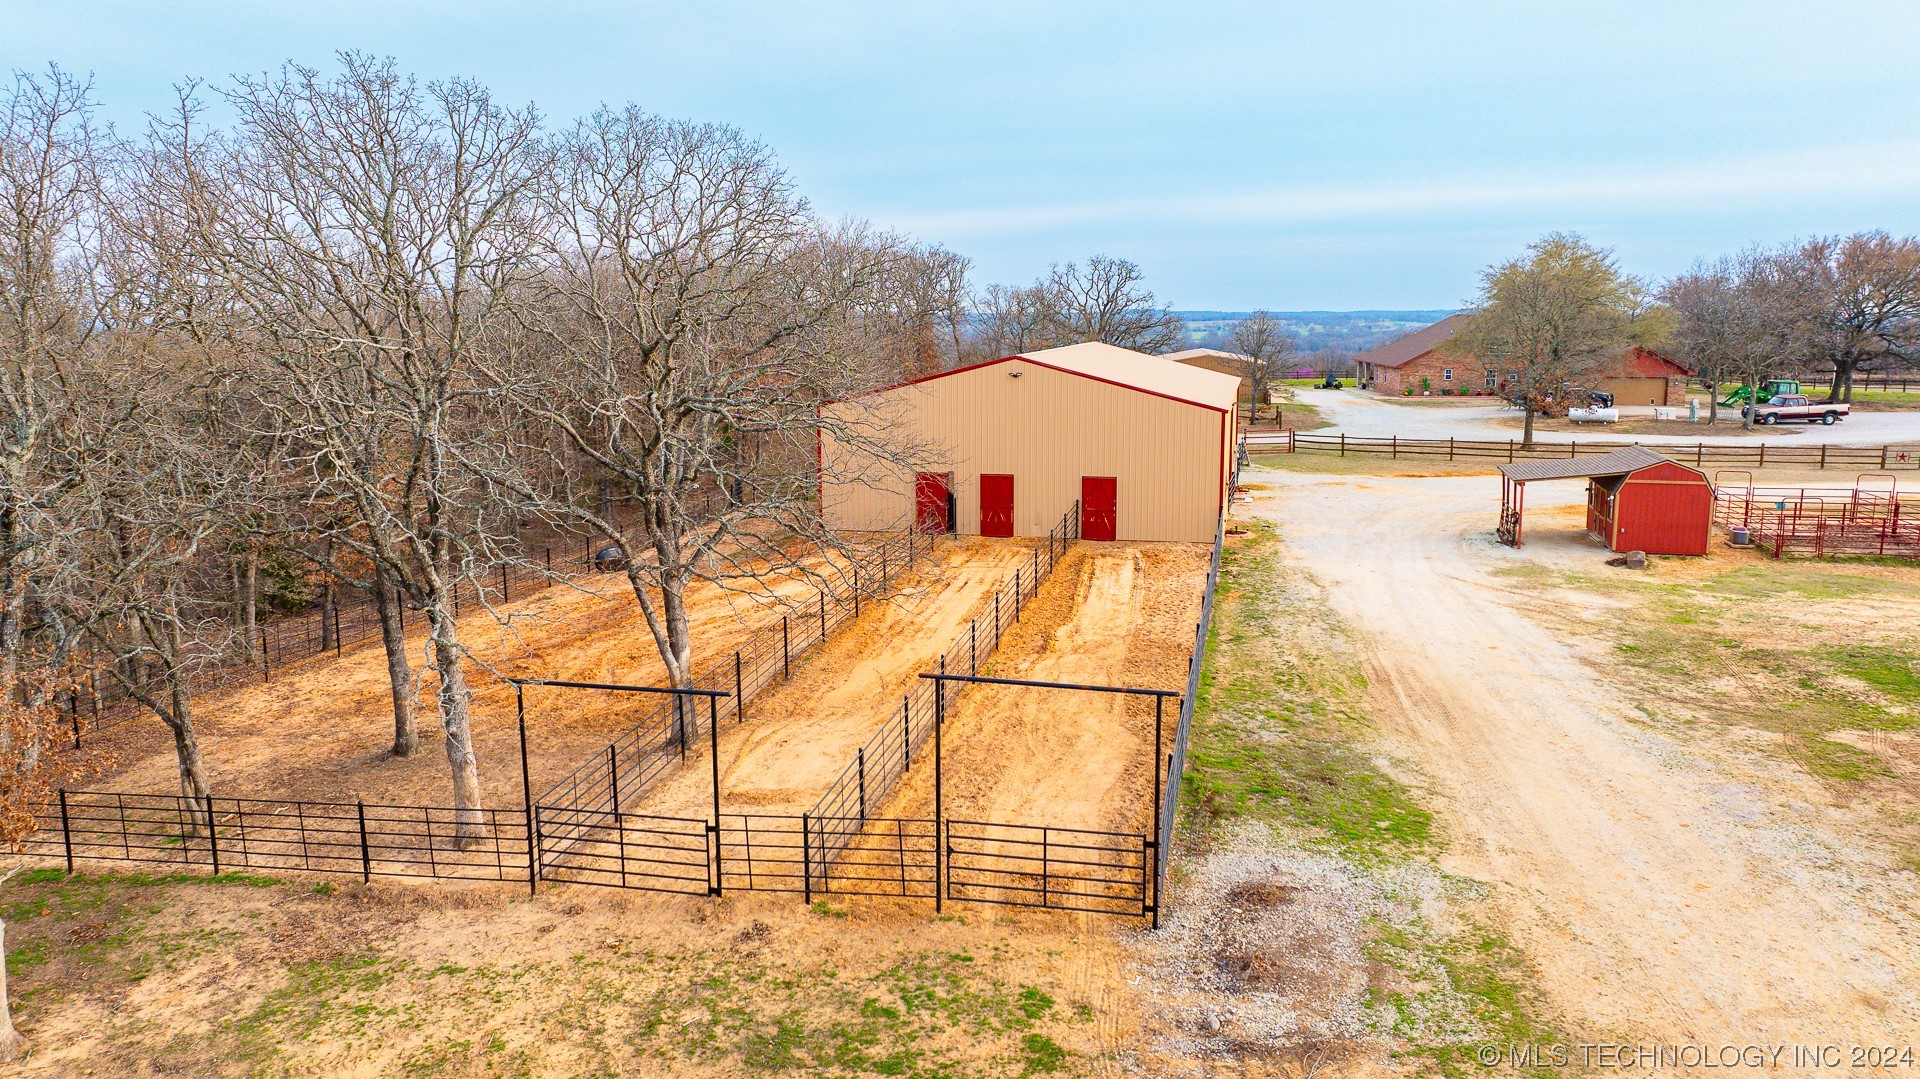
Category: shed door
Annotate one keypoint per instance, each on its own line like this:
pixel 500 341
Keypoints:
pixel 996 505
pixel 1099 512
pixel 932 502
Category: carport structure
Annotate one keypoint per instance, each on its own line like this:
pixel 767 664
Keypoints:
pixel 1636 500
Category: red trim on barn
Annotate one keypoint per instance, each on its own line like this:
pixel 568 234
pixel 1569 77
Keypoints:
pixel 1036 363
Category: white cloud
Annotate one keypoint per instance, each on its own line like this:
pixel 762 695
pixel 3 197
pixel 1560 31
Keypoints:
pixel 1824 173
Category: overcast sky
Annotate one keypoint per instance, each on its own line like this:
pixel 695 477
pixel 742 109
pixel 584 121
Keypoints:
pixel 1325 155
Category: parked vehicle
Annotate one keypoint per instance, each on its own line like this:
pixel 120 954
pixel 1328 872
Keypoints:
pixel 1777 387
pixel 1797 406
pixel 1332 383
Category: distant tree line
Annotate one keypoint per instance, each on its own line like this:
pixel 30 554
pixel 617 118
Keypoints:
pixel 1845 306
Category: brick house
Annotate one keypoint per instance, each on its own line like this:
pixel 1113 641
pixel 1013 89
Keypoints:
pixel 1637 376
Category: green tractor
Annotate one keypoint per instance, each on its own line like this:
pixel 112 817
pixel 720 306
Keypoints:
pixel 1743 395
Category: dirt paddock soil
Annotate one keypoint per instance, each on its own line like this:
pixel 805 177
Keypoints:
pixel 322 730
pixel 1111 614
pixel 799 736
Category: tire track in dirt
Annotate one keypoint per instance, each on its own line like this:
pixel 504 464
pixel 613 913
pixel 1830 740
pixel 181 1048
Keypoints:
pixel 1112 614
pixel 1660 897
pixel 800 736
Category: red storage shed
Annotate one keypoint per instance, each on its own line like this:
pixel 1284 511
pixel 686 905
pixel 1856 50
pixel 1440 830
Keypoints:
pixel 1637 500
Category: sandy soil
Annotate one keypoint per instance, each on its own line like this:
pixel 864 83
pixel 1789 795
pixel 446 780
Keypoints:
pixel 1665 890
pixel 322 730
pixel 1111 614
pixel 799 737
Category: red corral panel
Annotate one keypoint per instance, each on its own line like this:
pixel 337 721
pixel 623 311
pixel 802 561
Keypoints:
pixel 1663 509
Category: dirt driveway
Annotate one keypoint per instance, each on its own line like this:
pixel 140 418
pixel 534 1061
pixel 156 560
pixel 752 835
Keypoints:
pixel 1668 890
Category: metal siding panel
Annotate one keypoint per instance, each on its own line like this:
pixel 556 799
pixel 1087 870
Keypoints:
pixel 1047 428
pixel 1672 517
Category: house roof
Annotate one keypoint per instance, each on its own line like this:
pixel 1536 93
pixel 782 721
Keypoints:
pixel 1634 360
pixel 1137 370
pixel 1413 345
pixel 1618 463
pixel 1642 360
pixel 1189 355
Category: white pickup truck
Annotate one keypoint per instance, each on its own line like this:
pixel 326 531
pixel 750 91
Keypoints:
pixel 1796 406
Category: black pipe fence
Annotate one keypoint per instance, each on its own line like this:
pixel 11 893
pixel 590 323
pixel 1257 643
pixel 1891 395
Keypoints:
pixel 1883 458
pixel 1175 763
pixel 102 700
pixel 574 807
pixel 225 834
pixel 880 764
pixel 841 848
pixel 898 858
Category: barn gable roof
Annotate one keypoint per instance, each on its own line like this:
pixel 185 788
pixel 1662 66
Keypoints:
pixel 1113 365
pixel 1137 370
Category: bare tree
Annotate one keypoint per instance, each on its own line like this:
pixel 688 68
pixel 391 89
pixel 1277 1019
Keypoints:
pixel 1267 346
pixel 696 317
pixel 1716 324
pixel 1108 301
pixel 372 234
pixel 1009 321
pixel 157 495
pixel 1550 317
pixel 1869 312
pixel 49 211
pixel 923 309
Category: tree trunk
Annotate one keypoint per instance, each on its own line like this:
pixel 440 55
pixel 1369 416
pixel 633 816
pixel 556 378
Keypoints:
pixel 393 636
pixel 673 604
pixel 186 746
pixel 250 597
pixel 455 702
pixel 1839 379
pixel 1526 439
pixel 10 1040
pixel 327 600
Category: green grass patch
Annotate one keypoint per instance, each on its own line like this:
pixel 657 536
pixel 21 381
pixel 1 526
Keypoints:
pixel 1749 647
pixel 1276 722
pixel 1468 992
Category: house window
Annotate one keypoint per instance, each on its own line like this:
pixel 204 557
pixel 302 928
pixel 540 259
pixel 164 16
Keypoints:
pixel 1446 375
pixel 1493 379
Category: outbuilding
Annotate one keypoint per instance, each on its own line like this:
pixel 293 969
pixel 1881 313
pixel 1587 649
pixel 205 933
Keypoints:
pixel 1637 500
pixel 1005 447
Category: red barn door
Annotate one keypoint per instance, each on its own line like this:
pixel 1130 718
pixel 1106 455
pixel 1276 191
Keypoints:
pixel 996 505
pixel 931 497
pixel 1099 507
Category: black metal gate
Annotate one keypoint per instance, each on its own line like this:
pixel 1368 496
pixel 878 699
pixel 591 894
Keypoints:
pixel 625 850
pixel 1058 868
pixel 881 856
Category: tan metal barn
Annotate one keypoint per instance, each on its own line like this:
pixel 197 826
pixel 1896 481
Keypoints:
pixel 1003 448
